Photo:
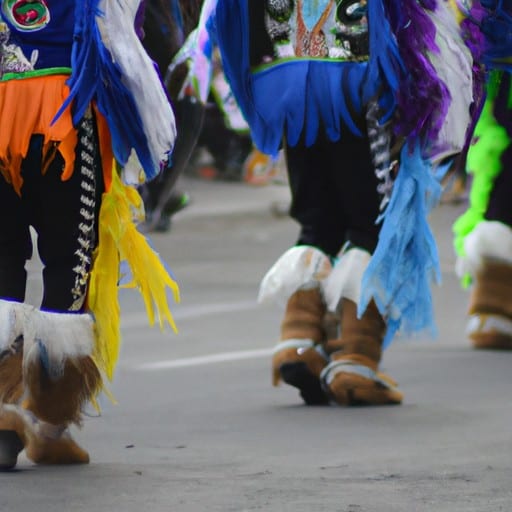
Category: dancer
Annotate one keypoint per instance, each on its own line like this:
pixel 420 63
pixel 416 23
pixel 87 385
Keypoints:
pixel 166 24
pixel 483 238
pixel 75 130
pixel 370 97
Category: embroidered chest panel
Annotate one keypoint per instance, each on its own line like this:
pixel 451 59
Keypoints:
pixel 336 29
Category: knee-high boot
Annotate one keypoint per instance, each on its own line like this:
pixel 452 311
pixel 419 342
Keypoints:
pixel 298 357
pixel 488 261
pixel 352 376
pixel 58 377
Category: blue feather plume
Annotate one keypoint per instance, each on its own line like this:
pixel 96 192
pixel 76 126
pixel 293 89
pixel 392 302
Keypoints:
pixel 96 77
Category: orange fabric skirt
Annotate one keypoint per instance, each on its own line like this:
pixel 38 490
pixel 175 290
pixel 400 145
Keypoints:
pixel 28 107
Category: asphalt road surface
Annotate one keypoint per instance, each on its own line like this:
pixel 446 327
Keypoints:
pixel 198 427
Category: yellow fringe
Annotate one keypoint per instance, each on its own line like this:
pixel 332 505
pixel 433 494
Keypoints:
pixel 119 241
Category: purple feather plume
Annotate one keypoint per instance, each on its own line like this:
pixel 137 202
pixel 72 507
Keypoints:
pixel 139 19
pixel 475 41
pixel 423 98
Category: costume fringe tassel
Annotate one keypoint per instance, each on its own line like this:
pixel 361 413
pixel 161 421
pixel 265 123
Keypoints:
pixel 120 241
pixel 406 261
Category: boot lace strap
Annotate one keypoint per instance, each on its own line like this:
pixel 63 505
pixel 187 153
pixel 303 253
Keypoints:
pixel 346 366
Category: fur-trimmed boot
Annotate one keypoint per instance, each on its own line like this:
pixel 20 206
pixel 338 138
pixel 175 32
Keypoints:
pixel 490 307
pixel 298 357
pixel 352 376
pixel 489 262
pixel 59 376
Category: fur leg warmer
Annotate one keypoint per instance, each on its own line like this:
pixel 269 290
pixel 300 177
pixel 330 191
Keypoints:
pixel 47 375
pixel 352 376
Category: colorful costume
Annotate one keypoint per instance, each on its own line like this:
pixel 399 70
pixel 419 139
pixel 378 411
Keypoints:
pixel 370 98
pixel 72 116
pixel 484 233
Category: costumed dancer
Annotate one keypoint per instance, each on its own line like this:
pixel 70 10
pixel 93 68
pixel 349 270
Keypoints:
pixel 225 133
pixel 222 130
pixel 79 101
pixel 166 24
pixel 369 97
pixel 484 233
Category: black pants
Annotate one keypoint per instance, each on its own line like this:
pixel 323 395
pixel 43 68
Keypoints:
pixel 499 207
pixel 334 193
pixel 63 213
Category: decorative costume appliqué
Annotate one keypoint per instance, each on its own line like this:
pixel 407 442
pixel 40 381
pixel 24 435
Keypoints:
pixel 12 58
pixel 26 15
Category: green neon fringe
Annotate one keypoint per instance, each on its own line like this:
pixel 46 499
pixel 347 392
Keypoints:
pixel 484 163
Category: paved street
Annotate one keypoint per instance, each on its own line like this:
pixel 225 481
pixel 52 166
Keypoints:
pixel 198 427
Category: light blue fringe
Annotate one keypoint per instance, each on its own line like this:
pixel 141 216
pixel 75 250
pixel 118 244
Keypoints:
pixel 406 262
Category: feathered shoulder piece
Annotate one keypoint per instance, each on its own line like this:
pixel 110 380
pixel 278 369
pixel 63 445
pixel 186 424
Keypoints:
pixel 428 70
pixel 431 78
pixel 111 68
pixel 419 70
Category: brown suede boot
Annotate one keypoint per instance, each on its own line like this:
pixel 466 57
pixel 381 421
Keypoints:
pixel 53 405
pixel 298 358
pixel 44 443
pixel 352 376
pixel 47 375
pixel 490 308
pixel 59 377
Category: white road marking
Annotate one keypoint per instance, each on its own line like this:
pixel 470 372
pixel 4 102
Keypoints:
pixel 203 360
pixel 180 312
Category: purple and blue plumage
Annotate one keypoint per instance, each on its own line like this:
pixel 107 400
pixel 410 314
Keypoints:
pixel 422 97
pixel 475 41
pixel 97 77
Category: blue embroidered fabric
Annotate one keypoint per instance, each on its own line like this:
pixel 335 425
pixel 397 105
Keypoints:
pixel 44 26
